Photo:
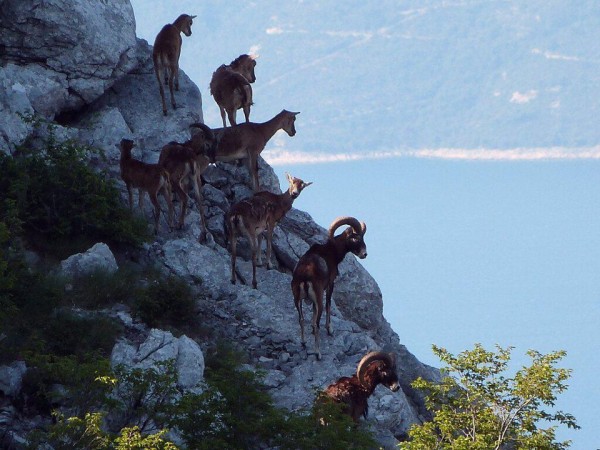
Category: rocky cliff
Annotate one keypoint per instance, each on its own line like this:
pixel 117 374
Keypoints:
pixel 78 64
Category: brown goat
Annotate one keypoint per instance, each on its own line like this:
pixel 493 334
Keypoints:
pixel 165 54
pixel 186 163
pixel 151 178
pixel 317 269
pixel 248 140
pixel 353 392
pixel 231 89
pixel 255 215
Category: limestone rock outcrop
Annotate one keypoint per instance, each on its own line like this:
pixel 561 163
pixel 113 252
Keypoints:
pixel 92 77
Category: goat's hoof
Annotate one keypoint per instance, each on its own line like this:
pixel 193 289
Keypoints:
pixel 232 281
pixel 303 344
pixel 269 266
pixel 318 356
pixel 329 332
pixel 165 112
pixel 254 285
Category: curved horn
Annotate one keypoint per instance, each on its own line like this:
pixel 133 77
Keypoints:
pixel 388 358
pixel 355 224
pixel 208 132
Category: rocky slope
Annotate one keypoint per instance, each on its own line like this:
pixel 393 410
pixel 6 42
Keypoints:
pixel 94 79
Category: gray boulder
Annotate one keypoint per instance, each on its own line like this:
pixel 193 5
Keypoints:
pixel 98 257
pixel 11 378
pixel 162 346
pixel 65 64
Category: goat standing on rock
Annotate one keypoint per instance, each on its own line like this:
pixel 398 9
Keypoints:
pixel 255 215
pixel 316 271
pixel 165 55
pixel 247 140
pixel 231 89
pixel 186 162
pixel 151 178
pixel 373 369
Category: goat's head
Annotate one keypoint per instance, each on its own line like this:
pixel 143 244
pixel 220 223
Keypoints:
pixel 125 146
pixel 184 24
pixel 296 185
pixel 380 367
pixel 287 121
pixel 203 138
pixel 354 234
pixel 244 65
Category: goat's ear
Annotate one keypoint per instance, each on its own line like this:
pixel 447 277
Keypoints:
pixel 288 176
pixel 253 56
pixel 308 184
pixel 296 113
pixel 193 17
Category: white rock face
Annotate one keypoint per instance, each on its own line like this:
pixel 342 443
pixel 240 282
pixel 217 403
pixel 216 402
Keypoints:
pixel 99 257
pixel 54 64
pixel 161 346
pixel 11 378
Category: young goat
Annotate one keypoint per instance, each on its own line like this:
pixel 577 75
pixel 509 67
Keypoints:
pixel 151 178
pixel 248 140
pixel 165 54
pixel 253 216
pixel 317 269
pixel 231 89
pixel 186 163
pixel 373 369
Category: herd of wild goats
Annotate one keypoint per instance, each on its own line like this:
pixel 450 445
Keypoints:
pixel 181 165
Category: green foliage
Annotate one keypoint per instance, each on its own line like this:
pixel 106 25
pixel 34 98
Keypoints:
pixel 80 391
pixel 55 197
pixel 477 406
pixel 233 411
pixel 87 433
pixel 236 412
pixel 142 397
pixel 101 288
pixel 165 302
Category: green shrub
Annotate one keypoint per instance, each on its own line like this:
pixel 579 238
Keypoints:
pixel 101 288
pixel 61 203
pixel 165 302
pixel 78 377
pixel 69 334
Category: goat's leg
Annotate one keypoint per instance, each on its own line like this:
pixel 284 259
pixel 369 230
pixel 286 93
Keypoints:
pixel 259 240
pixel 328 294
pixel 183 196
pixel 247 112
pixel 157 70
pixel 316 321
pixel 173 104
pixel 141 199
pixel 253 245
pixel 176 75
pixel 154 200
pixel 130 195
pixel 231 115
pixel 197 182
pixel 270 227
pixel 247 102
pixel 223 116
pixel 232 248
pixel 166 190
pixel 297 293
